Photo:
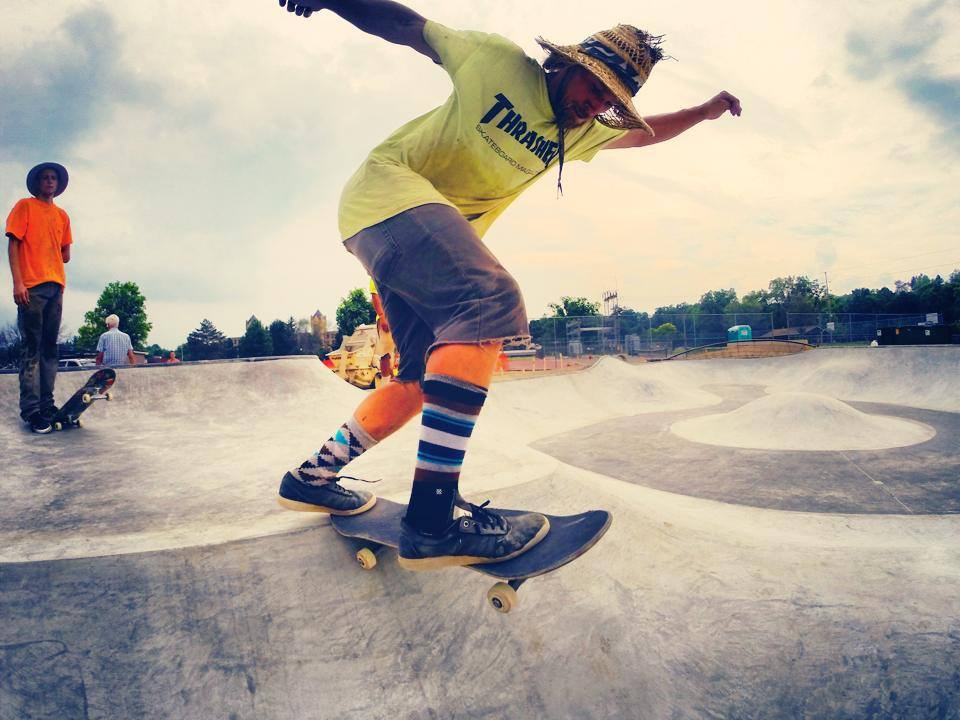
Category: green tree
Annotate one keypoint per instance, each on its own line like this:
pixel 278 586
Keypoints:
pixel 717 301
pixel 574 307
pixel 256 341
pixel 664 332
pixel 630 321
pixel 126 302
pixel 156 350
pixel 283 336
pixel 204 343
pixel 354 310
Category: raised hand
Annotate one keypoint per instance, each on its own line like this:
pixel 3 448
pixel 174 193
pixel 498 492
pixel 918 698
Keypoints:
pixel 719 104
pixel 303 8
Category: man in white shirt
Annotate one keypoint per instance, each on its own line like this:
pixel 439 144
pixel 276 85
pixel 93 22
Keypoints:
pixel 114 346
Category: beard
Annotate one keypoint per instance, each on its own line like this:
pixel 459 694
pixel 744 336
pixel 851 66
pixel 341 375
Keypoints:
pixel 572 116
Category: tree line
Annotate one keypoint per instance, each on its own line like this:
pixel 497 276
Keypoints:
pixel 782 298
pixel 206 342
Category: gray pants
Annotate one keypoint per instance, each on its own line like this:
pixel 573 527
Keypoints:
pixel 439 284
pixel 39 324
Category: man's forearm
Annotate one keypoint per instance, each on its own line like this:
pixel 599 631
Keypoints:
pixel 14 258
pixel 383 18
pixel 670 125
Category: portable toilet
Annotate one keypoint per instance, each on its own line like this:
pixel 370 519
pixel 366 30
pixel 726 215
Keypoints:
pixel 739 333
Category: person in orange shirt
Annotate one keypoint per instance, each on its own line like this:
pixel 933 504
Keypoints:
pixel 39 244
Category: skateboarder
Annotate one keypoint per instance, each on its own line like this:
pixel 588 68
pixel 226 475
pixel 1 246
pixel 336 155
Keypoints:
pixel 413 215
pixel 38 246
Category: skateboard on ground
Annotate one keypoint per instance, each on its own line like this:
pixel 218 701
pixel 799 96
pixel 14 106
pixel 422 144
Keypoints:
pixel 570 537
pixel 95 388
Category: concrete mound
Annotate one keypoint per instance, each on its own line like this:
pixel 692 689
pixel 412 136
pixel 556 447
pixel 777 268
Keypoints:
pixel 802 421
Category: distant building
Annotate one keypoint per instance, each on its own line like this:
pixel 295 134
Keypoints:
pixel 318 326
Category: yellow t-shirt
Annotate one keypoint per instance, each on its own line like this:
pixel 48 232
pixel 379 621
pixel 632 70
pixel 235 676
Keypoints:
pixel 492 138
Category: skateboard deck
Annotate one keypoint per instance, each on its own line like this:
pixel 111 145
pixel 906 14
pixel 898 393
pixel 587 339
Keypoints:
pixel 570 537
pixel 95 388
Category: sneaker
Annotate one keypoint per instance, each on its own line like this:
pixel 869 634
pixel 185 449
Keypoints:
pixel 39 424
pixel 481 537
pixel 326 497
pixel 50 413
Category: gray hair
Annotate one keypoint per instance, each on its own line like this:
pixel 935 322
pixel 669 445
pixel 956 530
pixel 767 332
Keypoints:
pixel 112 321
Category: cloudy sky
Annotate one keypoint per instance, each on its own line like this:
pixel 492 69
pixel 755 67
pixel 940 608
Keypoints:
pixel 208 143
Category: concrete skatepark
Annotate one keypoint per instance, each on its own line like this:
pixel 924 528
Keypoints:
pixel 785 544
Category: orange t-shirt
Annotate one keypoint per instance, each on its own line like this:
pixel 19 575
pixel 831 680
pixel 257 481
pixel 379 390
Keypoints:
pixel 43 229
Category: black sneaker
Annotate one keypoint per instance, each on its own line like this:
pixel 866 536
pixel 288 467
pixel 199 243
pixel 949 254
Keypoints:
pixel 482 537
pixel 39 424
pixel 50 413
pixel 326 497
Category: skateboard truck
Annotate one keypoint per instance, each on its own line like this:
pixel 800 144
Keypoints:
pixel 502 596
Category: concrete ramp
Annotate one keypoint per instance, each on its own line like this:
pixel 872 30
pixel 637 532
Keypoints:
pixel 147 572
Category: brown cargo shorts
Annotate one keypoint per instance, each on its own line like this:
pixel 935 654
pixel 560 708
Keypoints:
pixel 439 284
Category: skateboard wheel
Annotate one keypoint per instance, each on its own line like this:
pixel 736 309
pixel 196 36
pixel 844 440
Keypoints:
pixel 58 426
pixel 367 558
pixel 107 396
pixel 502 597
pixel 78 423
pixel 86 398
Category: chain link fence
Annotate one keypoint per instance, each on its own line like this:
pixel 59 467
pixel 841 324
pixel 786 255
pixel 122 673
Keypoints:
pixel 662 334
pixel 827 328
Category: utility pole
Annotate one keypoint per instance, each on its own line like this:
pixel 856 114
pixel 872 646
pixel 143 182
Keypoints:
pixel 608 295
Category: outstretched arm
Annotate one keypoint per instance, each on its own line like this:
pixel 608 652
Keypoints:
pixel 389 20
pixel 672 124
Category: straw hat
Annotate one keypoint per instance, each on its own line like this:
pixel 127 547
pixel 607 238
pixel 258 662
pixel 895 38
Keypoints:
pixel 621 58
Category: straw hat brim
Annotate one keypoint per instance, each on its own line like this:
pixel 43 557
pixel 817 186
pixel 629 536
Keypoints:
pixel 629 118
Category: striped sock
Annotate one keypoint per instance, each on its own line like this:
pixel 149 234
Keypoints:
pixel 348 443
pixel 450 410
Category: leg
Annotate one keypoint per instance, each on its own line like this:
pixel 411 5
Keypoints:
pixel 431 259
pixel 49 349
pixel 313 485
pixel 455 388
pixel 471 363
pixel 389 408
pixel 30 324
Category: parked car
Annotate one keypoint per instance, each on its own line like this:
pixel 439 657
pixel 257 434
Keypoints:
pixel 75 363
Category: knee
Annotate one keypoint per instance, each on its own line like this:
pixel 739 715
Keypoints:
pixel 413 394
